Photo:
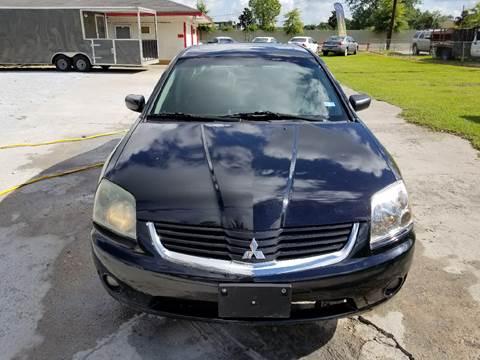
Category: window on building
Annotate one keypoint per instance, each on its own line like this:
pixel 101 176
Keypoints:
pixel 122 32
pixel 145 29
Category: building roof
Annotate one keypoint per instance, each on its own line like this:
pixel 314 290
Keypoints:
pixel 161 6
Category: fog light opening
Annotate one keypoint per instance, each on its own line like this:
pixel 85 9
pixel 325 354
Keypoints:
pixel 111 282
pixel 393 287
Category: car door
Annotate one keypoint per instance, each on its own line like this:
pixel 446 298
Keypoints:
pixel 475 51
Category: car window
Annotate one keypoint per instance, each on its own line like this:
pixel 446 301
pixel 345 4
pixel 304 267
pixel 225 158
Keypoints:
pixel 298 39
pixel 417 34
pixel 226 86
pixel 422 35
pixel 260 40
pixel 336 38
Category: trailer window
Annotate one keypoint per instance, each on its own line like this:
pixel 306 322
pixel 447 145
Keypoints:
pixel 122 32
pixel 101 28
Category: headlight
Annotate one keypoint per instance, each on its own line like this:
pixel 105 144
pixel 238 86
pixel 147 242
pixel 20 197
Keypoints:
pixel 115 209
pixel 391 214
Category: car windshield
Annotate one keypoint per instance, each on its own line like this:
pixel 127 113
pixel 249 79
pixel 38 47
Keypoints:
pixel 228 86
pixel 299 39
pixel 336 38
pixel 261 40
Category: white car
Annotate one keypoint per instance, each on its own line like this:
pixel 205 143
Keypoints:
pixel 306 42
pixel 265 39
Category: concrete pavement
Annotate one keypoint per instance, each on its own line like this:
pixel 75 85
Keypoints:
pixel 52 305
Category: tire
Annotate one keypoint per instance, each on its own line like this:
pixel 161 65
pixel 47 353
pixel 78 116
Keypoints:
pixel 346 52
pixel 325 53
pixel 445 54
pixel 81 63
pixel 62 63
pixel 105 67
pixel 415 50
pixel 356 51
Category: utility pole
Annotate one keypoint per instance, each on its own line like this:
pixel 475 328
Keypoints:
pixel 392 25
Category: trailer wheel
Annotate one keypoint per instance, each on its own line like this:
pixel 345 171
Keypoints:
pixel 62 63
pixel 82 63
pixel 445 54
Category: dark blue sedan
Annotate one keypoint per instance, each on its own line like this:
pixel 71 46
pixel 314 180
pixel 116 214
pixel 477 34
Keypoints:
pixel 249 190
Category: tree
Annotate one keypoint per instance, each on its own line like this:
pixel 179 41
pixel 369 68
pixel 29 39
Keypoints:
pixel 201 6
pixel 469 18
pixel 419 20
pixel 332 21
pixel 293 24
pixel 382 16
pixel 266 13
pixel 247 20
pixel 310 27
pixel 365 13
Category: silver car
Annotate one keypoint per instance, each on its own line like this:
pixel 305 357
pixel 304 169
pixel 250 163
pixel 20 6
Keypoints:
pixel 343 45
pixel 422 42
pixel 265 40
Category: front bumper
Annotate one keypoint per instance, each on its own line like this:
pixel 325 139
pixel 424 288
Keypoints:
pixel 149 283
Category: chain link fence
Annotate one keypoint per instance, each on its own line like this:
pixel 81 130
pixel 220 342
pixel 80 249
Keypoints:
pixel 463 51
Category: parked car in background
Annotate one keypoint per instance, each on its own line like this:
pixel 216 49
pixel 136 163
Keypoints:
pixel 343 45
pixel 306 42
pixel 223 204
pixel 222 40
pixel 265 39
pixel 422 42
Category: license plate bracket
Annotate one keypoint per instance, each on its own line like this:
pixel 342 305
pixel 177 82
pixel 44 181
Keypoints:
pixel 254 300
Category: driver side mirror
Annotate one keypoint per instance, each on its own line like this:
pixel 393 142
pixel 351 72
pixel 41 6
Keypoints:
pixel 135 102
pixel 360 102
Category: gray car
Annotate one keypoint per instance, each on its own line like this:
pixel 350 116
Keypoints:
pixel 422 42
pixel 344 45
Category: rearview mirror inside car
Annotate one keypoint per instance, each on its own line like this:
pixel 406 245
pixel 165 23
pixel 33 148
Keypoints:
pixel 360 102
pixel 135 102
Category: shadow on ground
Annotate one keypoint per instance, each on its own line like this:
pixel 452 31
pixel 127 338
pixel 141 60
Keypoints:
pixel 75 314
pixel 473 118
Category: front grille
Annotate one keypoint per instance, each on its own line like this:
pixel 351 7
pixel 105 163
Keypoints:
pixel 284 244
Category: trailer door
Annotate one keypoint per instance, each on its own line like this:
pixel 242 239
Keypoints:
pixel 103 52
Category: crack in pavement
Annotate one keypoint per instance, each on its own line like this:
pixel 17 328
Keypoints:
pixel 386 334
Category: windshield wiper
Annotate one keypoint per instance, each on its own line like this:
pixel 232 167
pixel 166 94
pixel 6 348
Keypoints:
pixel 185 117
pixel 270 115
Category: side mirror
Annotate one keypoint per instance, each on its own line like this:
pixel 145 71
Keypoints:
pixel 135 102
pixel 360 102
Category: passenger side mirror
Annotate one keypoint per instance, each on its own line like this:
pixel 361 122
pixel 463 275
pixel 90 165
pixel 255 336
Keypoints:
pixel 135 102
pixel 360 102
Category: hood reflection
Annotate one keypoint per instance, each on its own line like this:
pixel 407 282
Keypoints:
pixel 166 167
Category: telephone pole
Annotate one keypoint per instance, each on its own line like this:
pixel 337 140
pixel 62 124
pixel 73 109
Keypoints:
pixel 392 24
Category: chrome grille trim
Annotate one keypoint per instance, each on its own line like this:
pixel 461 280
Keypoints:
pixel 253 269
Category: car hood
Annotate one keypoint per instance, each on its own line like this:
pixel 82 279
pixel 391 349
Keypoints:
pixel 253 176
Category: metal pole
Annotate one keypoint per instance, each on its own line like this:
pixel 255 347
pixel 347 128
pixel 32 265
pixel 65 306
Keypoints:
pixel 139 23
pixel 392 24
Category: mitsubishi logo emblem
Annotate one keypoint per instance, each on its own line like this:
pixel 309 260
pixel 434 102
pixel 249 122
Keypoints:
pixel 253 252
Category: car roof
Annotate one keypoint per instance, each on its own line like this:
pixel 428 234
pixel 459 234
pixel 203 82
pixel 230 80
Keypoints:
pixel 246 49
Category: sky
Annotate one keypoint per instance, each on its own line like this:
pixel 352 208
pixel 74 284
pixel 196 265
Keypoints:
pixel 315 11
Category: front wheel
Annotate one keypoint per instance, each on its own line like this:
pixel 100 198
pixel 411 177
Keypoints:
pixel 81 63
pixel 346 52
pixel 415 50
pixel 356 51
pixel 325 53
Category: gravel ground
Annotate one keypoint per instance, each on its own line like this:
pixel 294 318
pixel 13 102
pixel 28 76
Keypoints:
pixel 52 304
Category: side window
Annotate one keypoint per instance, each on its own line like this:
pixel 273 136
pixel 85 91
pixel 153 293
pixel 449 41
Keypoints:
pixel 422 35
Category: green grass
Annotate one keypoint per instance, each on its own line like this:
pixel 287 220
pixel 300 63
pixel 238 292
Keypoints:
pixel 441 96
